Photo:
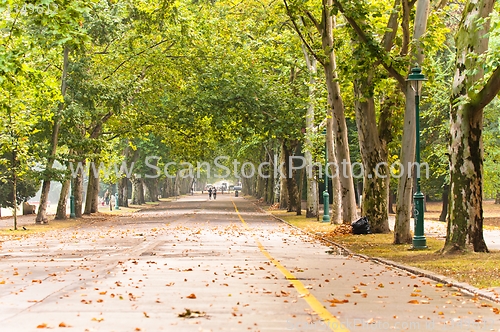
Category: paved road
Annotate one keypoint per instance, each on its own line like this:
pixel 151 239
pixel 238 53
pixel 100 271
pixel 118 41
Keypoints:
pixel 226 266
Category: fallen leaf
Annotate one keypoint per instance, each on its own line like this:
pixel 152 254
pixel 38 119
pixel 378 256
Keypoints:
pixel 191 296
pixel 191 314
pixel 42 326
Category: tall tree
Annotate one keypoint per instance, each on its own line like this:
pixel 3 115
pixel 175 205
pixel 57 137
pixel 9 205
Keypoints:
pixel 471 92
pixel 336 121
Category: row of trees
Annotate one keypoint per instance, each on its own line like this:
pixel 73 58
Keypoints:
pixel 103 82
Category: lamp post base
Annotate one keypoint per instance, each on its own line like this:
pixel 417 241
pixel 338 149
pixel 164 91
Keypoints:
pixel 419 243
pixel 326 207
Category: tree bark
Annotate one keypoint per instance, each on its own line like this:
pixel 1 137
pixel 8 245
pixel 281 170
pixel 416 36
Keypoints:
pixel 137 191
pixel 63 199
pixel 41 216
pixel 402 233
pixel 391 202
pixel 92 197
pixel 335 115
pixel 311 180
pixel 497 198
pixel 123 192
pixel 375 189
pixel 14 186
pixel 336 197
pixel 466 147
pixel 283 180
pixel 77 191
pixel 291 182
pixel 445 200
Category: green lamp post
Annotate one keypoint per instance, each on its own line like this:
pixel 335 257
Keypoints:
pixel 419 241
pixel 326 196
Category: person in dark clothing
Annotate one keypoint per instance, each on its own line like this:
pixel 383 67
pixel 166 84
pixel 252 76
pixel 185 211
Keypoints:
pixel 214 192
pixel 210 193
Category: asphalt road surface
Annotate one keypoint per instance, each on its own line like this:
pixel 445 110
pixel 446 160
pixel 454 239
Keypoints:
pixel 223 265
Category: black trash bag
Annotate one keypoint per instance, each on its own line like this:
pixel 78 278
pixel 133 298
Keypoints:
pixel 361 226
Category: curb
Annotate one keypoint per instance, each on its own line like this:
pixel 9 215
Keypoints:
pixel 413 270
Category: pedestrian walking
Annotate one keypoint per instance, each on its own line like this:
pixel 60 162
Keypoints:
pixel 210 193
pixel 214 193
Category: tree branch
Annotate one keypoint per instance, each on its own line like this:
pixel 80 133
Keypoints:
pixel 137 54
pixel 488 92
pixel 405 26
pixel 295 26
pixel 373 46
pixel 392 26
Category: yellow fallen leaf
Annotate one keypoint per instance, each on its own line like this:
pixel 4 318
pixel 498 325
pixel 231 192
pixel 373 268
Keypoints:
pixel 338 301
pixel 191 296
pixel 42 326
pixel 413 302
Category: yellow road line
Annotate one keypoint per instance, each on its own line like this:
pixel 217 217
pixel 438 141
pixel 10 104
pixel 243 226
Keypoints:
pixel 330 321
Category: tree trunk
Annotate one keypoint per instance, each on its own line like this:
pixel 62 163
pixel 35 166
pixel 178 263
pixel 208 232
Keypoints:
pixel 92 197
pixel 375 189
pixel 312 185
pixel 466 125
pixel 77 191
pixel 402 233
pixel 335 115
pixel 283 180
pixel 123 192
pixel 151 190
pixel 14 186
pixel 391 202
pixel 444 210
pixel 497 198
pixel 41 216
pixel 63 199
pixel 137 191
pixel 291 182
pixel 336 197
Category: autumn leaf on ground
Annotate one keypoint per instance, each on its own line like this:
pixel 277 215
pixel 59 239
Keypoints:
pixel 338 301
pixel 63 324
pixel 192 314
pixel 191 296
pixel 413 302
pixel 42 326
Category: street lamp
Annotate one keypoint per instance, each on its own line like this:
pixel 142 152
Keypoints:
pixel 419 242
pixel 326 196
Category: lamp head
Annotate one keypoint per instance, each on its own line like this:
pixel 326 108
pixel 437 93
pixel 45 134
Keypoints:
pixel 416 77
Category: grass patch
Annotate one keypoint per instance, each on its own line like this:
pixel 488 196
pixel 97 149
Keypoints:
pixel 31 229
pixel 478 269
